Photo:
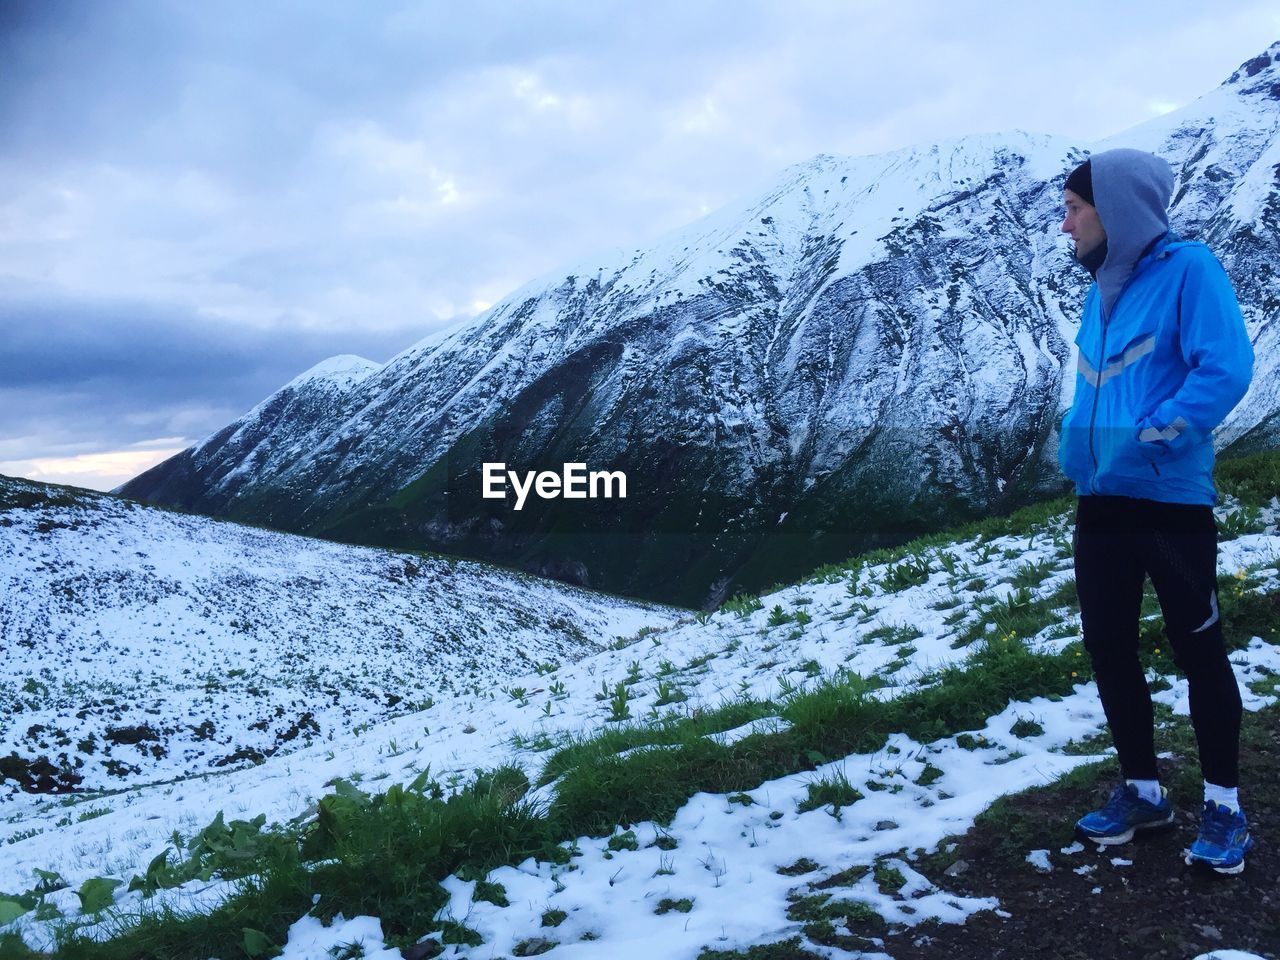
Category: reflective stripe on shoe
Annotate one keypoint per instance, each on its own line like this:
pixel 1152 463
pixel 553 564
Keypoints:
pixel 1124 814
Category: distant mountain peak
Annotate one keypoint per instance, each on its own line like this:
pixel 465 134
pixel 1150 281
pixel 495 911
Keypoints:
pixel 345 370
pixel 1256 65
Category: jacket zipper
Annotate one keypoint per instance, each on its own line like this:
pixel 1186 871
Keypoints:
pixel 1102 357
pixel 1093 413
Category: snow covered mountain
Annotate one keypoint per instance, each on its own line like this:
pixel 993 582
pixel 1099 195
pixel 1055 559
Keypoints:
pixel 145 645
pixel 875 345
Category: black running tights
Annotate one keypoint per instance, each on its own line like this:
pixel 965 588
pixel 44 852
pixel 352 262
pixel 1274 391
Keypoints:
pixel 1119 542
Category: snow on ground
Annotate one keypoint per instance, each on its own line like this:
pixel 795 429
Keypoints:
pixel 153 645
pixel 727 852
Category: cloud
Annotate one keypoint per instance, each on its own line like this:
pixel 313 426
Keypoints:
pixel 84 376
pixel 97 471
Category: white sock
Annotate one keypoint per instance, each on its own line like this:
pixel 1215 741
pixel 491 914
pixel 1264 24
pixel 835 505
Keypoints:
pixel 1148 790
pixel 1227 796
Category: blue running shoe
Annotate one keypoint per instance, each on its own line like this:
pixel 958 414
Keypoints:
pixel 1125 813
pixel 1223 841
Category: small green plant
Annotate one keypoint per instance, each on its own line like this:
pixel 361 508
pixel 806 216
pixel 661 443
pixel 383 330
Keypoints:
pixel 667 905
pixel 553 918
pixel 533 947
pixel 888 879
pixel 835 791
pixel 929 776
pixel 97 893
pixel 778 616
pixel 669 693
pixel 743 605
pixel 618 709
pixel 799 868
pixel 624 841
pixel 1243 520
pixel 910 572
pixel 490 892
pixel 893 634
pixel 1031 574
pixel 1026 728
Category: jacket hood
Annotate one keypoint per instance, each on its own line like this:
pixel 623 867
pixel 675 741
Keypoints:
pixel 1131 191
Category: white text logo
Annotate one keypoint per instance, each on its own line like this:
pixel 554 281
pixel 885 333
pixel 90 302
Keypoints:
pixel 573 483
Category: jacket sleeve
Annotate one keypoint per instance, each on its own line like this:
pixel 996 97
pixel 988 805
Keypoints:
pixel 1217 352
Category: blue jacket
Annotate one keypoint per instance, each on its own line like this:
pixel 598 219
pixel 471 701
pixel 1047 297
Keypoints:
pixel 1156 373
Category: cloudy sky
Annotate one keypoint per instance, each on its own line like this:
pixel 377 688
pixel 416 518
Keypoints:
pixel 198 201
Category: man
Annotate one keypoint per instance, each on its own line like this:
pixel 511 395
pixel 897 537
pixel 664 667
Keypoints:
pixel 1163 357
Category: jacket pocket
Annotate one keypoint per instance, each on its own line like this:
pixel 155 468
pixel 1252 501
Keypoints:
pixel 1122 454
pixel 1073 450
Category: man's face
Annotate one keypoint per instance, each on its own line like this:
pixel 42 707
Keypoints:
pixel 1082 224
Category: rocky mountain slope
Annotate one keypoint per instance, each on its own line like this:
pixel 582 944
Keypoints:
pixel 874 345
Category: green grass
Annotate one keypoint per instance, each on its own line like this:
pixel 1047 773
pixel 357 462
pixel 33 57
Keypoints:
pixel 889 879
pixel 910 571
pixel 1031 575
pixel 799 868
pixel 491 892
pixel 834 791
pixel 1020 522
pixel 1253 480
pixel 385 855
pixel 1026 728
pixel 893 634
pixel 667 905
pixel 786 950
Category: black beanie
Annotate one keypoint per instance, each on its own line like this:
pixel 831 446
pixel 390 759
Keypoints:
pixel 1080 182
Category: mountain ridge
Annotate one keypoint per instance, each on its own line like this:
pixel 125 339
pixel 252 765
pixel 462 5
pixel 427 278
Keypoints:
pixel 873 346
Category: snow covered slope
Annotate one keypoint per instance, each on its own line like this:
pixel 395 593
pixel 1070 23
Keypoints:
pixel 873 345
pixel 144 645
pixel 899 621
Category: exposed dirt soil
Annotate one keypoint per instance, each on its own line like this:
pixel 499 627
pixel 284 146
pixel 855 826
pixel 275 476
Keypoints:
pixel 1089 908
